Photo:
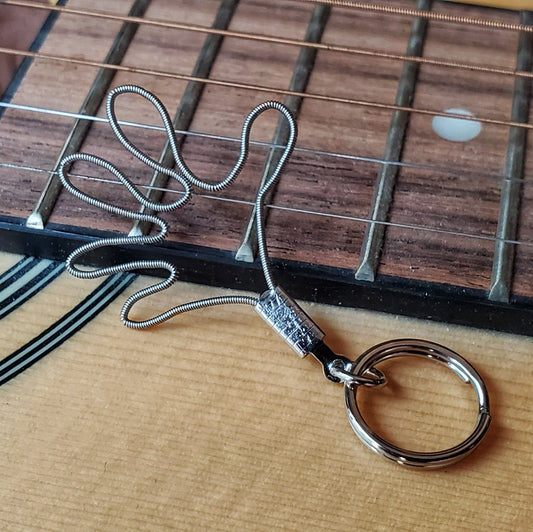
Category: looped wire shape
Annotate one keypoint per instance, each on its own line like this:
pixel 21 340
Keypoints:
pixel 441 354
pixel 187 180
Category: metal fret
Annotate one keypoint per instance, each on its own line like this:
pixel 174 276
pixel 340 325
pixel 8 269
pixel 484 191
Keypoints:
pixel 302 71
pixel 26 61
pixel 504 251
pixel 188 104
pixel 39 217
pixel 384 188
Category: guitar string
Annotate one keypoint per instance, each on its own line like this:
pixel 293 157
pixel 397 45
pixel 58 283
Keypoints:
pixel 187 180
pixel 330 47
pixel 493 178
pixel 291 209
pixel 350 4
pixel 211 136
pixel 430 15
pixel 272 39
pixel 271 90
pixel 300 43
pixel 429 61
pixel 345 217
pixel 295 210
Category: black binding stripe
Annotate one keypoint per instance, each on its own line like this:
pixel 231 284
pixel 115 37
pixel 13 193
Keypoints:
pixel 16 271
pixel 26 279
pixel 65 327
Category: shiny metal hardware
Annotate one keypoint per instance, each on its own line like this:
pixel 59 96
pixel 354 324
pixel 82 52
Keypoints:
pixel 420 348
pixel 275 306
pixel 340 370
pixel 288 319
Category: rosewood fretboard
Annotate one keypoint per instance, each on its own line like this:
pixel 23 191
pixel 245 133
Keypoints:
pixel 375 209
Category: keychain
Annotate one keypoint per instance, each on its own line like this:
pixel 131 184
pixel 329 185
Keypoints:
pixel 275 306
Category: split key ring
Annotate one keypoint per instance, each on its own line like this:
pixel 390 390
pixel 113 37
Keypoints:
pixel 441 354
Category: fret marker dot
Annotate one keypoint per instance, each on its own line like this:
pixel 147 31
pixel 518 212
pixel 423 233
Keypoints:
pixel 456 129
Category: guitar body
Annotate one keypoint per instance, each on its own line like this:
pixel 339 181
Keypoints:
pixel 390 202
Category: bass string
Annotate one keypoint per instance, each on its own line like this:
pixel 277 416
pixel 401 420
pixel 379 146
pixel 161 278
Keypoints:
pixel 324 46
pixel 270 90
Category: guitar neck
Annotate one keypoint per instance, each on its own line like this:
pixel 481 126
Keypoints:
pixel 389 202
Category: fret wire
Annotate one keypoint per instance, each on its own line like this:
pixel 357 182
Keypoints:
pixel 267 89
pixel 286 41
pixel 92 101
pixel 510 197
pixel 189 102
pixel 301 73
pixel 348 156
pixel 294 210
pixel 372 245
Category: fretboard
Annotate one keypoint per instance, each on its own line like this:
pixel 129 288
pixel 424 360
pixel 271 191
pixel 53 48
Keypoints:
pixel 389 202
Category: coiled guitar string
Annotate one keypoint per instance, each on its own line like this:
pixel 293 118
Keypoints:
pixel 186 178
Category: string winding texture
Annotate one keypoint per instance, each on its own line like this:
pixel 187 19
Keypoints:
pixel 350 4
pixel 187 180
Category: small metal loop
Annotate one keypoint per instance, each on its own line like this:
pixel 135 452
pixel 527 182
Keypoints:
pixel 339 370
pixel 439 353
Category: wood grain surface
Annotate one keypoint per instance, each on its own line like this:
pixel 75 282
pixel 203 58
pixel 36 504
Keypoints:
pixel 211 423
pixel 434 234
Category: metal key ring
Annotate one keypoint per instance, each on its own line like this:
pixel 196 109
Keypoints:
pixel 439 353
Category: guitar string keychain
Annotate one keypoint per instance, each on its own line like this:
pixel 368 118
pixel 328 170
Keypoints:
pixel 275 306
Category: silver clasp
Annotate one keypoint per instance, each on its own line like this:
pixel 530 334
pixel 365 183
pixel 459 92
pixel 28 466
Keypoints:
pixel 289 320
pixel 305 337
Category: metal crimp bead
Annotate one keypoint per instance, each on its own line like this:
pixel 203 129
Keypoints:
pixel 288 319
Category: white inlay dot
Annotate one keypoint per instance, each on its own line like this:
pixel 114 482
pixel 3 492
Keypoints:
pixel 456 129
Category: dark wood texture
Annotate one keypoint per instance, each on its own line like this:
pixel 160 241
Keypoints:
pixel 444 215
